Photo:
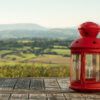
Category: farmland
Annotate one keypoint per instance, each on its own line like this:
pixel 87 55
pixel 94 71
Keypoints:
pixel 40 55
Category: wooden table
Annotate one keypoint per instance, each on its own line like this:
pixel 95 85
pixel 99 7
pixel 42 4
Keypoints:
pixel 41 89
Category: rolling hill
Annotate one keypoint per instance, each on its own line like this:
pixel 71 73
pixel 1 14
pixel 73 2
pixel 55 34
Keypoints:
pixel 8 31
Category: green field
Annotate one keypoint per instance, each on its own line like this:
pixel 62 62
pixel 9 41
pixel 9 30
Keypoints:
pixel 61 51
pixel 34 58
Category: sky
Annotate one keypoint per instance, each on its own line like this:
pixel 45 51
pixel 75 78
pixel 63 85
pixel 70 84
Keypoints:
pixel 50 13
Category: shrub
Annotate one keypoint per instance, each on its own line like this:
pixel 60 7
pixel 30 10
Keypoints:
pixel 34 70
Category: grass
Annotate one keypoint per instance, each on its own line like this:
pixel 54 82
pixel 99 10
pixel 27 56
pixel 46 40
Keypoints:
pixel 5 51
pixel 61 51
pixel 28 56
pixel 59 47
pixel 34 70
pixel 25 41
pixel 21 58
pixel 52 59
pixel 13 56
pixel 36 48
pixel 25 48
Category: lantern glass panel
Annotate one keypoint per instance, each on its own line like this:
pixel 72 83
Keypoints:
pixel 76 67
pixel 92 67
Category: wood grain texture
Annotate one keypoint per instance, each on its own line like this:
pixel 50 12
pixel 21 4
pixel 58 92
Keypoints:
pixel 55 97
pixel 51 84
pixel 4 96
pixel 22 84
pixel 40 89
pixel 64 85
pixel 37 96
pixel 8 84
pixel 37 84
pixel 19 97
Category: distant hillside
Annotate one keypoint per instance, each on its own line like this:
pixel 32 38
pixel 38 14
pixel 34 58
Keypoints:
pixel 36 31
pixel 67 32
pixel 21 27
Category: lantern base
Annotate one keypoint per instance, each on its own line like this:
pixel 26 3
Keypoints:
pixel 88 87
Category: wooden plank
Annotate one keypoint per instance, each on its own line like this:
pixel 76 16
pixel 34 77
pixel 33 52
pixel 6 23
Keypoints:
pixel 55 97
pixel 75 96
pixel 37 84
pixel 22 84
pixel 19 97
pixel 8 84
pixel 95 96
pixel 1 81
pixel 37 96
pixel 80 99
pixel 4 96
pixel 63 83
pixel 51 84
pixel 67 96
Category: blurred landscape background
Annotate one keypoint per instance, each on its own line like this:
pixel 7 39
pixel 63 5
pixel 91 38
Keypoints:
pixel 30 50
pixel 35 35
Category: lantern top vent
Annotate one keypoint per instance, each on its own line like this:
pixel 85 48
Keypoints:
pixel 89 40
pixel 89 29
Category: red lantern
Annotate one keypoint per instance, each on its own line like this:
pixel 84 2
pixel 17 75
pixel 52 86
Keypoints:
pixel 85 59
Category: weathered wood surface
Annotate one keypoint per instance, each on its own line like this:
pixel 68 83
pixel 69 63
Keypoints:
pixel 41 89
